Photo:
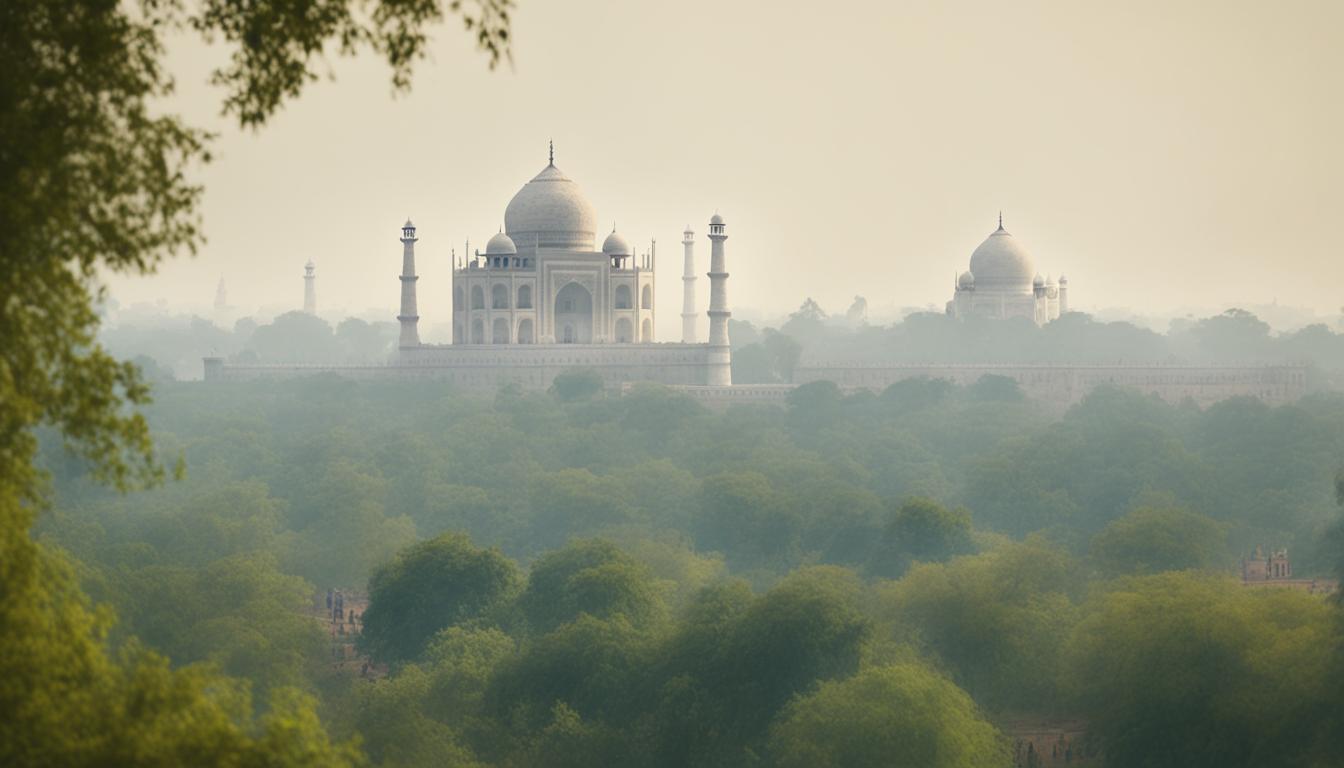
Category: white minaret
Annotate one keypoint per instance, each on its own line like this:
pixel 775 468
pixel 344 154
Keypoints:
pixel 1063 295
pixel 720 356
pixel 688 288
pixel 409 316
pixel 309 288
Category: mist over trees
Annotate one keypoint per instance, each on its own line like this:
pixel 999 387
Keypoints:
pixel 1235 337
pixel 574 579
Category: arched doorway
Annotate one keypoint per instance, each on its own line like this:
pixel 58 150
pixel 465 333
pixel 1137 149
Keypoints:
pixel 622 297
pixel 646 333
pixel 646 302
pixel 625 331
pixel 573 315
pixel 477 297
pixel 477 331
pixel 499 331
pixel 525 332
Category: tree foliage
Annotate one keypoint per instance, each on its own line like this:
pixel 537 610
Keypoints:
pixel 1177 670
pixel 902 716
pixel 433 585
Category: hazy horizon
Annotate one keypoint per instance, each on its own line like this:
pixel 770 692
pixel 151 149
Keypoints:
pixel 1161 157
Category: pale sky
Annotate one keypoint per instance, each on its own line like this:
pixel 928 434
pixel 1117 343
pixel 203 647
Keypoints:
pixel 1161 154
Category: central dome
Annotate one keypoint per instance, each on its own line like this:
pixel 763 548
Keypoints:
pixel 551 211
pixel 1002 263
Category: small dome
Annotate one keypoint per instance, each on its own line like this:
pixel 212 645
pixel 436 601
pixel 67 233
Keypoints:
pixel 716 219
pixel 309 265
pixel 500 245
pixel 966 281
pixel 1050 281
pixel 615 245
pixel 1063 280
pixel 1001 263
pixel 408 225
pixel 1038 281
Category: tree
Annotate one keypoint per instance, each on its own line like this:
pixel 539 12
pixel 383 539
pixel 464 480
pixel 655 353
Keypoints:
pixel 857 314
pixel 1150 540
pixel 992 388
pixel 590 577
pixel 923 530
pixel 435 584
pixel 997 620
pixel 579 384
pixel 784 352
pixel 902 716
pixel 745 519
pixel 1182 669
pixel 92 180
pixel 739 661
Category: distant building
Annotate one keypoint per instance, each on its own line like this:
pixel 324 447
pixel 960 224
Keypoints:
pixel 542 300
pixel 1003 283
pixel 1274 569
pixel 310 288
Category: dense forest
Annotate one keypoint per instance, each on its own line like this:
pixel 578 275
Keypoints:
pixel 574 579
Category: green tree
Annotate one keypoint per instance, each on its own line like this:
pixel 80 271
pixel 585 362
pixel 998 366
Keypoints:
pixel 743 517
pixel 1180 669
pixel 736 661
pixel 435 584
pixel 575 385
pixel 902 716
pixel 295 337
pixel 92 181
pixel 922 530
pixel 1150 540
pixel 784 352
pixel 590 577
pixel 997 620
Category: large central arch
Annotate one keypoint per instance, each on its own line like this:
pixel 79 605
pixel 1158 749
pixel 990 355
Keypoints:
pixel 573 315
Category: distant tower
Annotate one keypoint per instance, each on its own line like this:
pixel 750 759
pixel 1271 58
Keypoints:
pixel 1064 295
pixel 688 288
pixel 409 316
pixel 720 357
pixel 221 297
pixel 309 288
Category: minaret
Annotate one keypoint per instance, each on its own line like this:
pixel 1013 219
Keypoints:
pixel 720 356
pixel 1063 295
pixel 409 317
pixel 688 288
pixel 221 296
pixel 309 288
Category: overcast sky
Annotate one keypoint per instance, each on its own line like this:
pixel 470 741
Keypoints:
pixel 1161 154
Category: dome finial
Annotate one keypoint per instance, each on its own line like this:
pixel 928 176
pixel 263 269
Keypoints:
pixel 1000 219
pixel 552 153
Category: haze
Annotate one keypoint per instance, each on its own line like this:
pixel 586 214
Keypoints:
pixel 1162 155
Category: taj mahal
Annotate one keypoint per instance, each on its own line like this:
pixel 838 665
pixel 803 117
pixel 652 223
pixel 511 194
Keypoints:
pixel 542 299
pixel 1003 283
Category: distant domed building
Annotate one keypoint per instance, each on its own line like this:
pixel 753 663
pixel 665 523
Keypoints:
pixel 541 281
pixel 1003 283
